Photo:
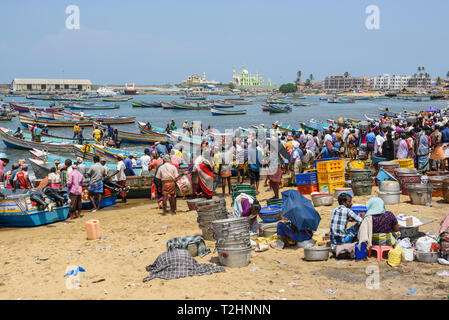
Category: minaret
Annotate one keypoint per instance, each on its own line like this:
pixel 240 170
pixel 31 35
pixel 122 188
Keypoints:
pixel 204 76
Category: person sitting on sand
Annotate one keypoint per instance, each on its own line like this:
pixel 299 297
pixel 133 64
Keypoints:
pixel 385 224
pixel 341 215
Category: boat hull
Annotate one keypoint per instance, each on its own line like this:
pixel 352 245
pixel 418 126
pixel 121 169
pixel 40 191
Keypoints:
pixel 34 219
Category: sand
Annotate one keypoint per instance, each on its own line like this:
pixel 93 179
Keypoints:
pixel 138 226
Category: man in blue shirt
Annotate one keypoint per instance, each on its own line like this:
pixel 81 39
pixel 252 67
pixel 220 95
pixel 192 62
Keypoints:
pixel 161 149
pixel 370 141
pixel 37 133
pixel 129 166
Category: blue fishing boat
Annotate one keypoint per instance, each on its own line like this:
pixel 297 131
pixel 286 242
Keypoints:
pixel 272 108
pixel 19 211
pixel 106 201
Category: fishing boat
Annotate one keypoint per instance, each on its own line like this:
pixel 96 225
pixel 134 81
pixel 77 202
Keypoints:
pixel 23 109
pixel 182 106
pixel 117 99
pixel 218 112
pixel 194 97
pixel 88 140
pixel 136 104
pixel 154 104
pixel 239 102
pixel 135 137
pixel 18 211
pixel 49 144
pixel 166 105
pixel 278 109
pixel 93 106
pixel 6 118
pixel 108 199
pixel 285 128
pixel 130 89
pixel 112 153
pixel 25 121
pixel 313 125
pixel 265 108
pixel 219 105
pixel 390 114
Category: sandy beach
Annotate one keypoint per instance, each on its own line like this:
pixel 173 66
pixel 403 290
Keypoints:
pixel 34 261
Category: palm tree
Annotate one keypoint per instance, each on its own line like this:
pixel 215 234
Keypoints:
pixel 447 75
pixel 419 69
pixel 298 77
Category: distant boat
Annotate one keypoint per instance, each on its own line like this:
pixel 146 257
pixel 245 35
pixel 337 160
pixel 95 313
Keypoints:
pixel 129 88
pixel 240 102
pixel 194 98
pixel 272 108
pixel 182 106
pixel 136 104
pixel 218 112
pixel 93 106
pixel 23 109
pixel 135 137
pixel 117 99
pixel 166 105
pixel 218 104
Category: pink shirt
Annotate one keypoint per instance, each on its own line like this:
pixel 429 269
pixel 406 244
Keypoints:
pixel 75 182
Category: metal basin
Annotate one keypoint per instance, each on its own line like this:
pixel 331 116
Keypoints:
pixel 323 200
pixel 316 253
pixel 428 257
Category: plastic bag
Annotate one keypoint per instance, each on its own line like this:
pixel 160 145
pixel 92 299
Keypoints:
pixel 361 251
pixel 405 243
pixel 394 256
pixel 424 244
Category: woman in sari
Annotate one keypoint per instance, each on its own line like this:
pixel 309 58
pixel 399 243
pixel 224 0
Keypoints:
pixel 423 150
pixel 437 154
pixel 353 141
pixel 205 173
pixel 385 225
pixel 402 148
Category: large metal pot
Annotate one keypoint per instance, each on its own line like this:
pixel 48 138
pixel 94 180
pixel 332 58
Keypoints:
pixel 390 197
pixel 389 186
pixel 323 200
pixel 420 194
pixel 316 253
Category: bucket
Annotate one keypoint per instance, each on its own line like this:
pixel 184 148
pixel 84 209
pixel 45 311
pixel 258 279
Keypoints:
pixel 407 254
pixel 362 188
pixel 339 191
pixel 446 190
pixel 192 203
pixel 388 166
pixel 389 186
pixel 437 183
pixel 193 249
pixel 211 204
pixel 230 227
pixel 93 229
pixel 360 175
pixel 420 194
pixel 234 242
pixel 268 231
pixel 234 258
pixel 390 197
pixel 184 185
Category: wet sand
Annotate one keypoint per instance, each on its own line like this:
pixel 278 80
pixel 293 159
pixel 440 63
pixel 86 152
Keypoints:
pixel 138 226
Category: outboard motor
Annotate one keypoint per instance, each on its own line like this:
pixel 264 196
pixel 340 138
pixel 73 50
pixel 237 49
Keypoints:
pixel 55 195
pixel 108 183
pixel 39 197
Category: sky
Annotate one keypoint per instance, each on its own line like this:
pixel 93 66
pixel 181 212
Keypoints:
pixel 160 42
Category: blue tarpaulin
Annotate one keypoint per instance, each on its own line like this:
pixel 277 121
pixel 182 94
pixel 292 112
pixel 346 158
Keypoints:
pixel 300 210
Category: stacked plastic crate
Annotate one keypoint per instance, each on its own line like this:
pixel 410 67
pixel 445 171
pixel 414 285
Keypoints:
pixel 331 174
pixel 307 182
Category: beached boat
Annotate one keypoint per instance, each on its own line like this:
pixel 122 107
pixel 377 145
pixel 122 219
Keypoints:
pixel 18 211
pixel 87 140
pixel 23 109
pixel 313 125
pixel 109 199
pixel 218 112
pixel 49 144
pixel 25 121
pixel 182 106
pixel 111 153
pixel 285 128
pixel 136 137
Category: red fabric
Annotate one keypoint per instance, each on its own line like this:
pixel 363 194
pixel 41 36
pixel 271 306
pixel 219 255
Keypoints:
pixel 206 179
pixel 24 181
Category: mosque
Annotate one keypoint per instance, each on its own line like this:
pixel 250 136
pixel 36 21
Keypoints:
pixel 246 79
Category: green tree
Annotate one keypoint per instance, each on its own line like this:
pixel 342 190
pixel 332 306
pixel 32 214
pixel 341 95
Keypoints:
pixel 231 85
pixel 307 83
pixel 439 81
pixel 346 74
pixel 287 88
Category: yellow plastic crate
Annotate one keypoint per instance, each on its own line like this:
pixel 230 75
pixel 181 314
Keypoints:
pixel 309 170
pixel 331 177
pixel 356 164
pixel 332 186
pixel 406 163
pixel 330 166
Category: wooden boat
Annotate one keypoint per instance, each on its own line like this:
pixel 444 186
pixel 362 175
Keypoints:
pixel 239 102
pixel 390 114
pixel 218 112
pixel 18 211
pixel 94 106
pixel 49 144
pixel 6 118
pixel 135 137
pixel 278 109
pixel 285 128
pixel 154 104
pixel 117 99
pixel 109 199
pixel 25 121
pixel 111 153
pixel 23 109
pixel 194 98
pixel 166 105
pixel 313 125
pixel 265 108
pixel 86 140
pixel 136 104
pixel 220 105
pixel 182 106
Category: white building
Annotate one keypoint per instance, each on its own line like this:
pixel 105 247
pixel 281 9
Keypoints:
pixel 390 82
pixel 20 84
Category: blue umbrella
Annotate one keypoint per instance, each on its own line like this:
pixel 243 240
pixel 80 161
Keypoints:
pixel 299 210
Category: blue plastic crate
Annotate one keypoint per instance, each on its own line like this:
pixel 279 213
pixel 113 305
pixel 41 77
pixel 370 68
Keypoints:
pixel 306 178
pixel 270 213
pixel 359 209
